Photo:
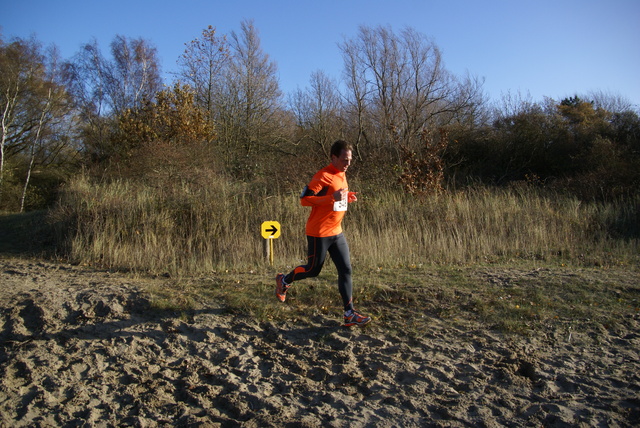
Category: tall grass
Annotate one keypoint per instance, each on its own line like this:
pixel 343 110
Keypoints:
pixel 492 224
pixel 187 228
pixel 177 229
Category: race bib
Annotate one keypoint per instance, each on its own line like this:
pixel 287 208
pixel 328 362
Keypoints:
pixel 340 205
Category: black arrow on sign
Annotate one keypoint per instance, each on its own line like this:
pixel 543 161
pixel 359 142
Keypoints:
pixel 272 229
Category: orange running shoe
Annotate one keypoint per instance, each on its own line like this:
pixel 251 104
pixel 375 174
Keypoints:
pixel 355 319
pixel 281 287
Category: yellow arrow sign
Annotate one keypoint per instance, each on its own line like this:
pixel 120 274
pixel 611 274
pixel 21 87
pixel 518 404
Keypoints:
pixel 270 229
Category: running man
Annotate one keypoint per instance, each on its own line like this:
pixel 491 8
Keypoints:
pixel 328 196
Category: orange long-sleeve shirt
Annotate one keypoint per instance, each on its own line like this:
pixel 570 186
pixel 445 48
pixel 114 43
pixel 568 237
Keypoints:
pixel 324 220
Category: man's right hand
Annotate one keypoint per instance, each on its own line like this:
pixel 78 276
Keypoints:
pixel 341 194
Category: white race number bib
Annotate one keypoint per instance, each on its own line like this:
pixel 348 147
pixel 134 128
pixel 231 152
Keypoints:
pixel 340 205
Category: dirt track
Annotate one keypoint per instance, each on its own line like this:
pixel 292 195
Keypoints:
pixel 80 347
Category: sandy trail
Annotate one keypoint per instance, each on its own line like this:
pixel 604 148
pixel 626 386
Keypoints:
pixel 79 347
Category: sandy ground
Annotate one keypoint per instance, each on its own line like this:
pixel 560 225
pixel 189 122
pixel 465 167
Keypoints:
pixel 79 347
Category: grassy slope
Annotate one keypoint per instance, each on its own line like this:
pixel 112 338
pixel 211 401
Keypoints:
pixel 515 297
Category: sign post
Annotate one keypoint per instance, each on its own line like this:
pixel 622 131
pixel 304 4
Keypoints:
pixel 270 230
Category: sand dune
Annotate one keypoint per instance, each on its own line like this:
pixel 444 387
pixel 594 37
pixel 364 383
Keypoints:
pixel 80 347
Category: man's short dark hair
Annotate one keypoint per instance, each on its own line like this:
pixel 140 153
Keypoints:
pixel 339 146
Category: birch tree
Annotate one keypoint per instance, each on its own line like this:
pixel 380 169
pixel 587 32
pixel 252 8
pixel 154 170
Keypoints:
pixel 32 150
pixel 105 88
pixel 20 63
pixel 36 122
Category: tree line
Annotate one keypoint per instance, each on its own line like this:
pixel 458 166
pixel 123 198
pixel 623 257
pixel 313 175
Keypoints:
pixel 413 123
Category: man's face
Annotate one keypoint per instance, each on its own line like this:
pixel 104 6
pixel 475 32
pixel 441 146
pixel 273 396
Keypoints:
pixel 342 162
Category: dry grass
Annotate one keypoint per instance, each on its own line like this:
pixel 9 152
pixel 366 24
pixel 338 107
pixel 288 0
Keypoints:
pixel 188 230
pixel 512 259
pixel 436 256
pixel 184 230
pixel 488 225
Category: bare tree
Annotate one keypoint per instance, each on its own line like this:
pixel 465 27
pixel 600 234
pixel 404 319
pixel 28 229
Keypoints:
pixel 398 86
pixel 104 89
pixel 317 110
pixel 134 74
pixel 358 89
pixel 251 95
pixel 106 86
pixel 612 102
pixel 202 65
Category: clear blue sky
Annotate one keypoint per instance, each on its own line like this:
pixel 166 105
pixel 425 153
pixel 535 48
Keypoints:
pixel 553 48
